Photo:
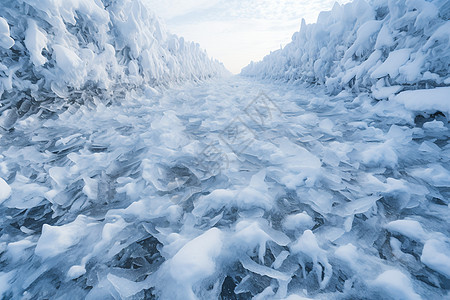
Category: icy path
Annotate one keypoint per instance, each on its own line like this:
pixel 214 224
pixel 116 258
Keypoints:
pixel 219 189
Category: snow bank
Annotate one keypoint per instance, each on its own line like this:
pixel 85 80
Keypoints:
pixel 58 52
pixel 379 46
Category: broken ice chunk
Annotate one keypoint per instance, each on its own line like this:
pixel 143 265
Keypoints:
pixel 385 91
pixel 66 58
pixel 252 266
pixel 392 64
pixel 347 253
pixel 16 250
pixel 396 285
pixel 437 99
pixel 435 175
pixel 165 178
pixel 409 228
pixel 434 125
pixel 280 259
pixel 125 287
pixel 320 200
pixel 8 119
pixel 307 245
pixel 197 259
pixel 60 175
pixel 75 272
pixel 253 233
pixel 256 194
pixel 382 155
pixel 298 221
pixel 297 166
pixel 25 194
pixel 215 201
pixel 436 255
pixel 5 279
pixel 5 190
pixel 429 147
pixel 35 41
pixel 55 240
pixel 5 40
pixel 326 125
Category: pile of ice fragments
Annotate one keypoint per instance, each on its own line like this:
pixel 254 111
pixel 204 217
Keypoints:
pixel 55 53
pixel 381 46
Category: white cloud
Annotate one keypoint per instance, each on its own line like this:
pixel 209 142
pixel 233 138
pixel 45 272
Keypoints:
pixel 169 9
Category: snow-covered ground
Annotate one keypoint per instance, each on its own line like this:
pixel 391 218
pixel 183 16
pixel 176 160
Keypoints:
pixel 218 189
pixel 131 169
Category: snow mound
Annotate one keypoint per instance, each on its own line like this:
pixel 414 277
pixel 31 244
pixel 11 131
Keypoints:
pixel 379 46
pixel 56 52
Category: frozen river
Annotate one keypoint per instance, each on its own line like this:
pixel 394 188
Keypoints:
pixel 232 188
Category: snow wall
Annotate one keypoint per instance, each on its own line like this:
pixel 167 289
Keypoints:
pixel 55 52
pixel 381 46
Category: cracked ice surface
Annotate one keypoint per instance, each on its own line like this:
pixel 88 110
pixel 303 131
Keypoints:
pixel 209 191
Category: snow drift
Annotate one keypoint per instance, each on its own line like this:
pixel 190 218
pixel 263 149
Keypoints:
pixel 58 52
pixel 381 46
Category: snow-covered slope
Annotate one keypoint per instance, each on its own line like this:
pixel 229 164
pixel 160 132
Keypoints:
pixel 75 50
pixel 382 46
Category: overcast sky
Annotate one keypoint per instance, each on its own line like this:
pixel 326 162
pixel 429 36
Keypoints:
pixel 238 31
